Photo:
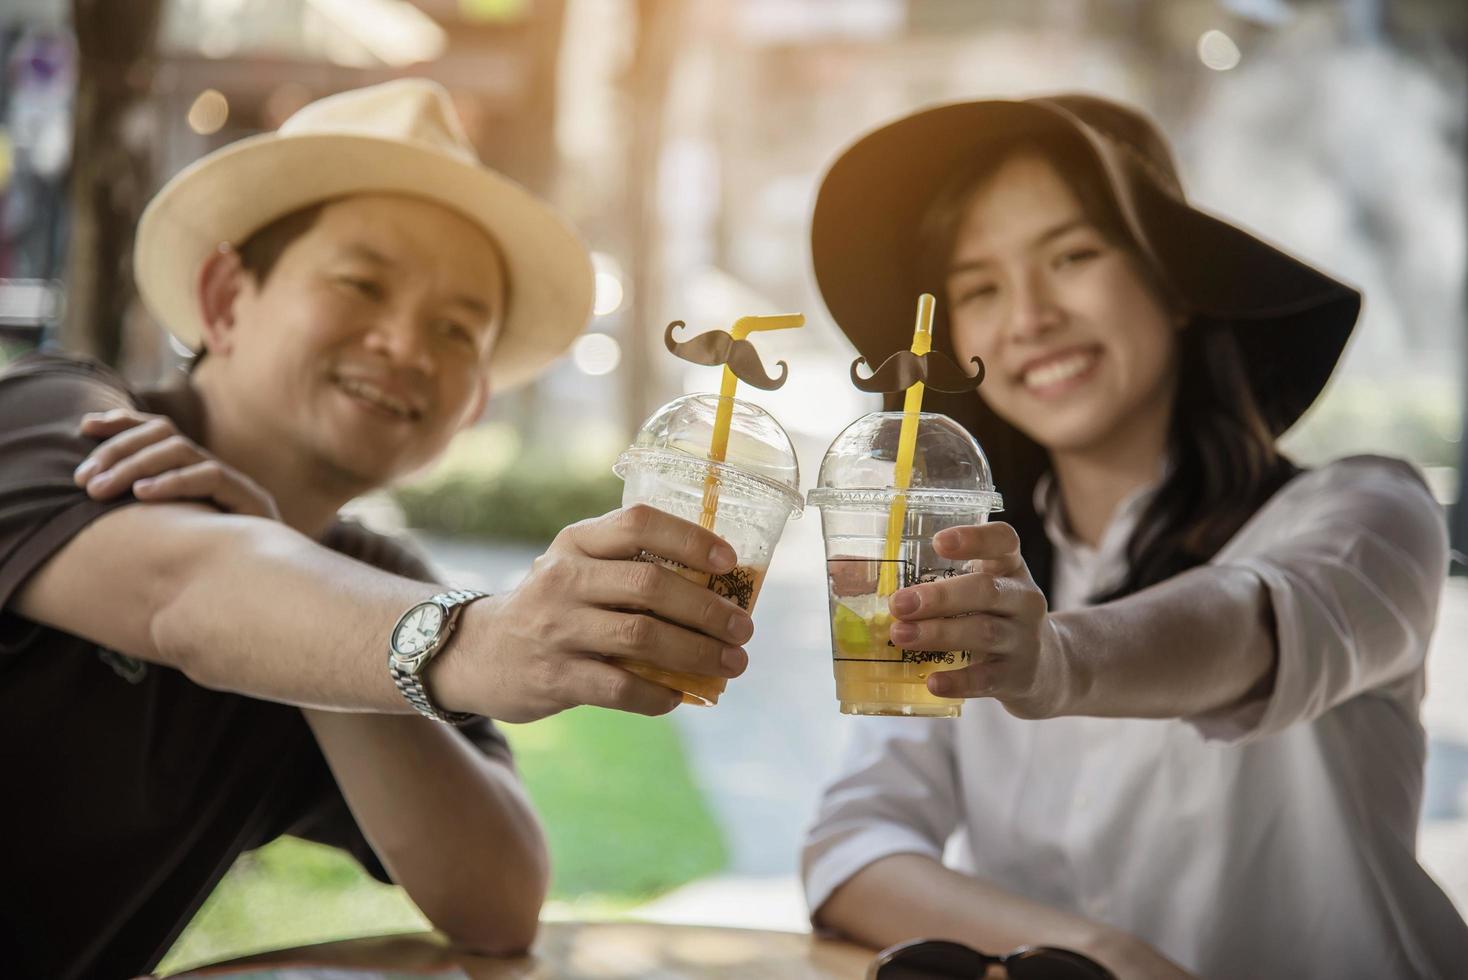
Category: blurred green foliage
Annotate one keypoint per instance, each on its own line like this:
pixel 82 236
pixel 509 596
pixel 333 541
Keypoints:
pixel 488 485
pixel 1418 421
pixel 623 814
pixel 290 893
pixel 530 504
pixel 10 350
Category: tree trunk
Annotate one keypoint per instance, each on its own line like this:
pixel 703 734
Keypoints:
pixel 658 23
pixel 110 171
pixel 1458 511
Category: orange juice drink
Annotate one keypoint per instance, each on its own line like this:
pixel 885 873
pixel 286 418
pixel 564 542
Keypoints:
pixel 950 486
pixel 874 677
pixel 754 487
pixel 740 586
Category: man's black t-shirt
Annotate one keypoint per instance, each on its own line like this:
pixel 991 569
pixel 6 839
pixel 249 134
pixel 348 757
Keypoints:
pixel 128 790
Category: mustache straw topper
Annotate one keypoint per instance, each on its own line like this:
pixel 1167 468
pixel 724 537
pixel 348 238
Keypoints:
pixel 911 370
pixel 717 348
pixel 741 363
pixel 904 369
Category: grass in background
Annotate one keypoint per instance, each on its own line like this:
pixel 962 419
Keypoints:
pixel 624 818
pixel 290 893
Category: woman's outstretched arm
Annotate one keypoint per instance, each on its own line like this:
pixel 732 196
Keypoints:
pixel 1336 596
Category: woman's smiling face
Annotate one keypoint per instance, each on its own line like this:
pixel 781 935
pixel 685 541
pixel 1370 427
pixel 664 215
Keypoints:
pixel 1078 344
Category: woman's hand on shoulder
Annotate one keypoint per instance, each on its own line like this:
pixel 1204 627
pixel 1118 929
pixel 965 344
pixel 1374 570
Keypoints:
pixel 996 614
pixel 149 456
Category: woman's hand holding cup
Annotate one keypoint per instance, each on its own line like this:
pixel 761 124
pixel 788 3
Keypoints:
pixel 998 614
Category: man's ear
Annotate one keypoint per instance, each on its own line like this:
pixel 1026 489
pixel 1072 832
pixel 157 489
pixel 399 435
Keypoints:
pixel 221 278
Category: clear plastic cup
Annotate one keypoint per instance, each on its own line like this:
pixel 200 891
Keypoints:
pixel 756 488
pixel 951 485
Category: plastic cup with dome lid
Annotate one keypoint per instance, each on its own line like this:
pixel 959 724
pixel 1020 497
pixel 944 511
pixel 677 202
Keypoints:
pixel 725 463
pixel 887 485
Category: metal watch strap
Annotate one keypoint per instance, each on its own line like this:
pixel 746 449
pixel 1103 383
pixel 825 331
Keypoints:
pixel 411 686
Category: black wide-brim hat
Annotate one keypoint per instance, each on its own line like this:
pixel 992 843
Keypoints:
pixel 1292 321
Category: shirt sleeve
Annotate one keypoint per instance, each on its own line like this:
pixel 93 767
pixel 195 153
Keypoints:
pixel 42 401
pixel 897 794
pixel 1354 564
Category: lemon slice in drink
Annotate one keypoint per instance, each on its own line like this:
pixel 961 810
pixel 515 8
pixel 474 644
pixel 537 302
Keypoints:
pixel 858 632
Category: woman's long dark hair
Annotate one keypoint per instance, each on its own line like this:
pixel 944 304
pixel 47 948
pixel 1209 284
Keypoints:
pixel 1224 463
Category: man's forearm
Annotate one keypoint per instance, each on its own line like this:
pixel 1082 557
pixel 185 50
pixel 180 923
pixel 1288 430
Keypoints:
pixel 275 615
pixel 236 603
pixel 249 606
pixel 453 827
pixel 1202 640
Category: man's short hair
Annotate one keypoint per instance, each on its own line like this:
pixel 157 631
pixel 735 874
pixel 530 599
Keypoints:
pixel 263 247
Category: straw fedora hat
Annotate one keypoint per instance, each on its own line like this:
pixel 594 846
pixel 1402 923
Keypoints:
pixel 1291 321
pixel 400 137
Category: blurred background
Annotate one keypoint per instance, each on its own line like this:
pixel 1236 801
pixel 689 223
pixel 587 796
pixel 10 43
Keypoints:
pixel 685 138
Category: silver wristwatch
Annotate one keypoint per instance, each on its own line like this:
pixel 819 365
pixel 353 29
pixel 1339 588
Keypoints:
pixel 417 638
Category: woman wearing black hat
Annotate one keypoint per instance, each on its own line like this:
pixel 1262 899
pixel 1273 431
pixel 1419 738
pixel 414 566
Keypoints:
pixel 1228 652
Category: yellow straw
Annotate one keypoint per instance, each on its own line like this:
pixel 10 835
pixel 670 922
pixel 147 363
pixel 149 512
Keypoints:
pixel 719 445
pixel 922 342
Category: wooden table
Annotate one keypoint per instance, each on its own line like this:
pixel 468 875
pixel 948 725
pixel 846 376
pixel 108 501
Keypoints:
pixel 607 951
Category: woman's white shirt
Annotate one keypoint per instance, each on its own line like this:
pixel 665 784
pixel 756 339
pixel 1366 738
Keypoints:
pixel 1276 839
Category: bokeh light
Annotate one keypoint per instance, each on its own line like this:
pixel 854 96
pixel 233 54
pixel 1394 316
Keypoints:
pixel 596 353
pixel 209 112
pixel 1218 51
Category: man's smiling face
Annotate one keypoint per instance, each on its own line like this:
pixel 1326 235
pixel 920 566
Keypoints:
pixel 366 346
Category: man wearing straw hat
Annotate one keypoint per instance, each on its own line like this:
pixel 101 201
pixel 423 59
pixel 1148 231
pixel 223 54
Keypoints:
pixel 186 680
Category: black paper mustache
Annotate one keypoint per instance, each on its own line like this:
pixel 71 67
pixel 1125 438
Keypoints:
pixel 904 369
pixel 716 347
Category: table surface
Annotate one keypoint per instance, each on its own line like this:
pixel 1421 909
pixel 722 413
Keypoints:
pixel 605 951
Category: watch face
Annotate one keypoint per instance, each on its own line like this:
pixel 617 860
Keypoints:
pixel 419 629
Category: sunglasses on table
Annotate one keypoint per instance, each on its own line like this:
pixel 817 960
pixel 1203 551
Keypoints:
pixel 939 959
